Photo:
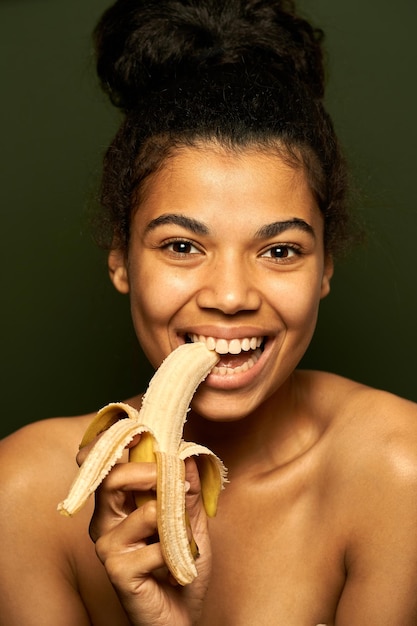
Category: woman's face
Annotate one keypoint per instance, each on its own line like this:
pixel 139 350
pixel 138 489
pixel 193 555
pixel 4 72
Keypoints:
pixel 227 248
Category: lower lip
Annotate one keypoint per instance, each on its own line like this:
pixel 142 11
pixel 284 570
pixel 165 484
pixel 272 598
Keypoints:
pixel 239 379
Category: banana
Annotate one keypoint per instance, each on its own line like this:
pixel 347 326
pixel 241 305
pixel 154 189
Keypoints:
pixel 160 423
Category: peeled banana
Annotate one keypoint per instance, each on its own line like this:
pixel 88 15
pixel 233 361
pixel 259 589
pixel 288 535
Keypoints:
pixel 160 423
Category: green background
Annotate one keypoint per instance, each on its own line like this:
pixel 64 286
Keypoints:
pixel 67 345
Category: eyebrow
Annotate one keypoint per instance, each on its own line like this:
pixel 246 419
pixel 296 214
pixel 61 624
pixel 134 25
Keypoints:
pixel 199 228
pixel 195 226
pixel 276 228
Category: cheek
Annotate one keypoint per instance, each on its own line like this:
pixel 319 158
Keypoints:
pixel 155 299
pixel 298 302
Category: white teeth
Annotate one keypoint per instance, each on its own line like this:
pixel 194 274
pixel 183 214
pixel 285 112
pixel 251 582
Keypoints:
pixel 234 346
pixel 246 344
pixel 210 342
pixel 227 371
pixel 222 346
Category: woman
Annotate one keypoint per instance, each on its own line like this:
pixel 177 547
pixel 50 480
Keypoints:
pixel 224 194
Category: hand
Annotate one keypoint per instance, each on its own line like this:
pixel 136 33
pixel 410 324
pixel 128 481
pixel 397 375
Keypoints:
pixel 134 564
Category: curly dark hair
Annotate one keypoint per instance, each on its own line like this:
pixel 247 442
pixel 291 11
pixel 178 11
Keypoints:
pixel 241 73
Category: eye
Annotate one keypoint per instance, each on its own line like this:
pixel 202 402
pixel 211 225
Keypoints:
pixel 281 252
pixel 181 247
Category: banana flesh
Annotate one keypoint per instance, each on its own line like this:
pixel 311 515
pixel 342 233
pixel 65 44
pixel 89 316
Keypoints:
pixel 160 423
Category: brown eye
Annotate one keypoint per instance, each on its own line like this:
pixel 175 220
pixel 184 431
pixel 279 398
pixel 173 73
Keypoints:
pixel 181 247
pixel 282 252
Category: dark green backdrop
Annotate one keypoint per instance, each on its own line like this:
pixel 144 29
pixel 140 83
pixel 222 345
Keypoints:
pixel 67 345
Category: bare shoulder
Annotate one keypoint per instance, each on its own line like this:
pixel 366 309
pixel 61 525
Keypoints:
pixel 369 439
pixel 39 547
pixel 37 466
pixel 38 451
pixel 357 410
pixel 364 430
pixel 380 424
pixel 368 461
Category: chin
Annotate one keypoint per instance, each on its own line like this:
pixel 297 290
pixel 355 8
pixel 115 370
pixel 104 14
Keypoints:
pixel 221 410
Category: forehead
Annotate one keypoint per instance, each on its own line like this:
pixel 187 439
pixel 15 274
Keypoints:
pixel 248 181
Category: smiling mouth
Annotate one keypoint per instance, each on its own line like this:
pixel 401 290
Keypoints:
pixel 237 355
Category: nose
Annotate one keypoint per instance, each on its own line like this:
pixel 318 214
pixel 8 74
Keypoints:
pixel 229 288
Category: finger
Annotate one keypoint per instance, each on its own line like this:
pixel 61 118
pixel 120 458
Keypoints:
pixel 85 450
pixel 129 557
pixel 114 499
pixel 130 569
pixel 130 535
pixel 192 476
pixel 193 499
pixel 130 477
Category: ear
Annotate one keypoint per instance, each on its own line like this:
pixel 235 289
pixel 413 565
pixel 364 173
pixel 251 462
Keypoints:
pixel 327 275
pixel 118 270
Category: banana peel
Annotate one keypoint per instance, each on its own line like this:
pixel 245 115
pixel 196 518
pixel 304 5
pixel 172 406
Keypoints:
pixel 160 423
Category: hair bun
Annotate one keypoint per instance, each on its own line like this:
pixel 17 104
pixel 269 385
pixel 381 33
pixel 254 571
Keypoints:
pixel 142 45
